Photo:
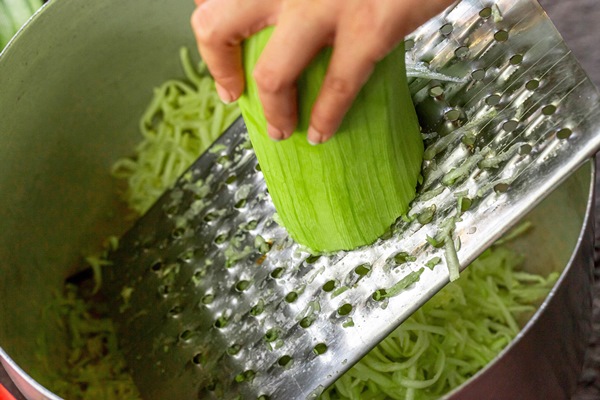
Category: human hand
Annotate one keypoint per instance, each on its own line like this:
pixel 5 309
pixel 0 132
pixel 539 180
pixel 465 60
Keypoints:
pixel 361 32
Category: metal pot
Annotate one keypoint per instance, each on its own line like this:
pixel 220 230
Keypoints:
pixel 72 86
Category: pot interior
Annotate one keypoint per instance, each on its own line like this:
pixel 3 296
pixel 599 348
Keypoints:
pixel 74 85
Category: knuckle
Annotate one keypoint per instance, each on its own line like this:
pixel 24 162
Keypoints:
pixel 204 25
pixel 323 120
pixel 340 86
pixel 268 81
pixel 225 78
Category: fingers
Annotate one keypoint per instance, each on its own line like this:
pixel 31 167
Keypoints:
pixel 346 75
pixel 220 27
pixel 350 65
pixel 290 49
pixel 377 27
pixel 362 31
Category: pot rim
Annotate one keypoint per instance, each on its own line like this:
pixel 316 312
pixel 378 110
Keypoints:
pixel 588 219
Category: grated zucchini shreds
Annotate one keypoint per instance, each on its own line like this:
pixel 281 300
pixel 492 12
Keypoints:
pixel 181 122
pixel 346 192
pixel 454 335
pixel 96 368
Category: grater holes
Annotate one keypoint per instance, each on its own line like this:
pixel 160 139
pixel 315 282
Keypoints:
pixel 400 258
pixel 501 36
pixel 452 115
pixel 241 203
pixel 485 13
pixel 262 245
pixel 178 233
pixel 461 52
pixel 409 44
pixel 257 167
pixel 517 59
pixel 221 238
pixel 186 257
pixel 207 299
pixel 234 349
pixel 186 335
pixel 198 359
pixel 164 290
pixel 285 361
pixel 156 266
pixel 312 259
pixel 258 308
pixel 379 295
pixel 263 397
pixel 446 29
pixel 465 204
pixel 532 85
pixel 564 133
pixel 306 322
pixel 493 100
pixel 510 125
pixel 525 149
pixel 210 216
pixel 211 387
pixel 272 335
pixel 242 285
pixel 246 376
pixel 197 276
pixel 549 109
pixel 221 322
pixel 250 225
pixel 344 310
pixel 362 270
pixel 175 311
pixel 436 91
pixel 171 210
pixel 223 160
pixel 329 286
pixel 231 179
pixel 501 187
pixel 277 273
pixel 426 216
pixel 478 75
pixel 291 297
pixel 320 349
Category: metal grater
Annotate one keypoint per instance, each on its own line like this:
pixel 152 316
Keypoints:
pixel 213 300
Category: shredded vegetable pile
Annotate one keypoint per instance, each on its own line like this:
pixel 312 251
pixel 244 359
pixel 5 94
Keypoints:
pixel 183 119
pixel 442 345
pixel 95 368
pixel 453 336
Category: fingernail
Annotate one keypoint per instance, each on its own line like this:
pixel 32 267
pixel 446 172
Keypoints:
pixel 275 133
pixel 313 136
pixel 224 94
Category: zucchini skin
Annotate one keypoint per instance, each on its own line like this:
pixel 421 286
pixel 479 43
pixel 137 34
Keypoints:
pixel 346 192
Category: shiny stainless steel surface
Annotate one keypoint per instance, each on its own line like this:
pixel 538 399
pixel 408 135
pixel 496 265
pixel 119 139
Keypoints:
pixel 526 116
pixel 59 208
